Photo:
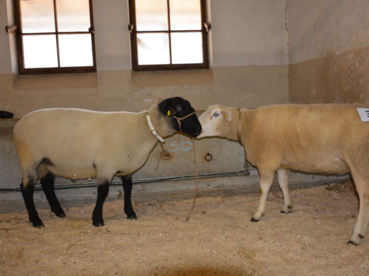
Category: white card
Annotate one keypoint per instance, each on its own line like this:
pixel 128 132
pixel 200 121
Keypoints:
pixel 364 114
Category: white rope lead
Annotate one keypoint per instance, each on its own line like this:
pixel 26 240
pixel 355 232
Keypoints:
pixel 197 184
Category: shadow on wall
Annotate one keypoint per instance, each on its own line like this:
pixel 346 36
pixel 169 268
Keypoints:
pixel 332 79
pixel 201 271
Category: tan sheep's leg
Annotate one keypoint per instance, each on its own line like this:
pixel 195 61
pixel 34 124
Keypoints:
pixel 283 183
pixel 266 182
pixel 362 220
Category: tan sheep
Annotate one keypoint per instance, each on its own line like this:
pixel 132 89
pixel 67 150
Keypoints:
pixel 321 138
pixel 78 144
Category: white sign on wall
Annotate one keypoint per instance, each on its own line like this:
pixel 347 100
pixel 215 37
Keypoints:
pixel 364 114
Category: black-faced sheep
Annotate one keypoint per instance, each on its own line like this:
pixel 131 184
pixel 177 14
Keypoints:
pixel 325 138
pixel 78 144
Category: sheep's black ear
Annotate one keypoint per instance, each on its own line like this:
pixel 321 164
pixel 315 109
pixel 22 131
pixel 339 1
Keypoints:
pixel 169 107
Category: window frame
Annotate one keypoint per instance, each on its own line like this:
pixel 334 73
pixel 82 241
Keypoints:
pixel 54 70
pixel 155 67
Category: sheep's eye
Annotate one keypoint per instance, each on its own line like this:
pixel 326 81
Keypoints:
pixel 216 114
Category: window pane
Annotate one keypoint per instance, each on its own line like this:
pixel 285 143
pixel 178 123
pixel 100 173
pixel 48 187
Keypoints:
pixel 73 15
pixel 37 16
pixel 185 15
pixel 151 15
pixel 186 48
pixel 153 49
pixel 75 50
pixel 40 51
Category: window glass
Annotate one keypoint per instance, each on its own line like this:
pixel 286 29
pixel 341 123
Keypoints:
pixel 151 15
pixel 168 34
pixel 186 48
pixel 55 36
pixel 153 48
pixel 75 50
pixel 185 15
pixel 37 16
pixel 73 15
pixel 40 51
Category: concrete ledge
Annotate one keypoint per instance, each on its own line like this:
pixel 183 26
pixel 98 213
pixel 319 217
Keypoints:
pixel 8 123
pixel 170 78
pixel 166 191
pixel 56 81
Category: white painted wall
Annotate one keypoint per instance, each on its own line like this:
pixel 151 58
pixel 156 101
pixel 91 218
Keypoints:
pixel 244 32
pixel 12 38
pixel 249 32
pixel 320 28
pixel 111 35
pixel 5 38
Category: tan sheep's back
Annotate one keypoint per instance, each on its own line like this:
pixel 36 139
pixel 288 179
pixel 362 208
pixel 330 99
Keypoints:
pixel 312 138
pixel 76 141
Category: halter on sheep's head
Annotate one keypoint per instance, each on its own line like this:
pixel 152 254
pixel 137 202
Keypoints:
pixel 183 114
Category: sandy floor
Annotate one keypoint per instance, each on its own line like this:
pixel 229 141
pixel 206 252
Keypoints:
pixel 218 240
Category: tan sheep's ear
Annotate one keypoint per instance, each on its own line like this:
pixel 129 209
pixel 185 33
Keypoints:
pixel 227 115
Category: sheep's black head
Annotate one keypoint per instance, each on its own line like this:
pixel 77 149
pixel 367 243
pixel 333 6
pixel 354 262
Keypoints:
pixel 180 108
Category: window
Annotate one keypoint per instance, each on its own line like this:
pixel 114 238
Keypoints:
pixel 168 34
pixel 55 36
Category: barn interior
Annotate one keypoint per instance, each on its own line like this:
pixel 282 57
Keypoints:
pixel 259 53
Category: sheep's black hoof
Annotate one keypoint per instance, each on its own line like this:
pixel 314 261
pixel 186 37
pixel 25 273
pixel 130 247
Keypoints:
pixel 98 222
pixel 351 242
pixel 255 220
pixel 361 236
pixel 288 212
pixel 59 213
pixel 37 223
pixel 132 216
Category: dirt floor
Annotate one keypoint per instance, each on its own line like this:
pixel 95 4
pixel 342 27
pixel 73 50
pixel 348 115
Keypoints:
pixel 219 239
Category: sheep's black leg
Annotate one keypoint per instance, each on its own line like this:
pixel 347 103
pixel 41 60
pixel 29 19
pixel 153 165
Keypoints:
pixel 47 184
pixel 27 193
pixel 102 193
pixel 127 187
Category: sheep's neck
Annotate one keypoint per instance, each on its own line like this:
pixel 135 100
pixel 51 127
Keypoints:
pixel 245 123
pixel 160 122
pixel 233 130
